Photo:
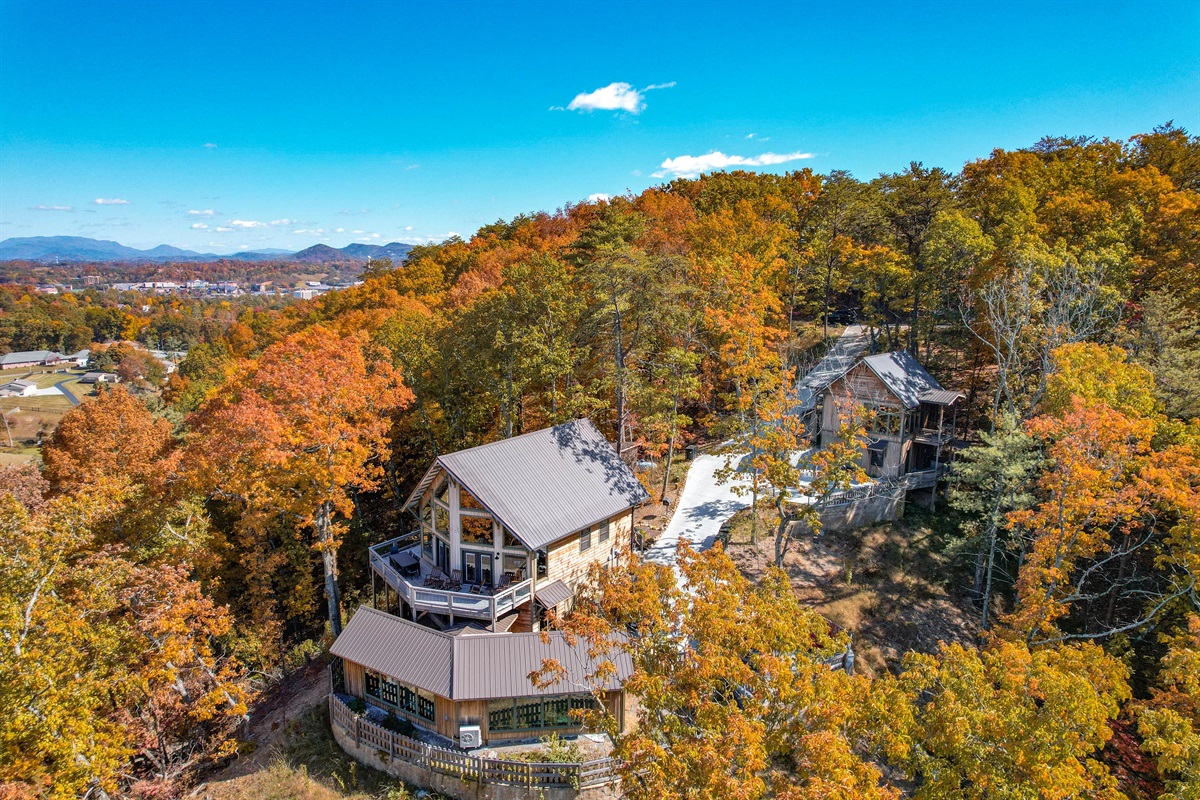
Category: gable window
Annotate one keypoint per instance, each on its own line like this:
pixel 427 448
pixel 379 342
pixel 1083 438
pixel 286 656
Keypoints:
pixel 585 540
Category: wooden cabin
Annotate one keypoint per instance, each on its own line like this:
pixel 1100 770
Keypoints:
pixel 504 532
pixel 510 528
pixel 914 419
pixel 473 679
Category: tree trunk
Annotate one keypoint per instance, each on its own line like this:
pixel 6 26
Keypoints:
pixel 670 445
pixel 987 580
pixel 329 563
pixel 781 534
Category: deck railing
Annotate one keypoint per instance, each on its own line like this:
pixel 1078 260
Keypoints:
pixel 445 601
pixel 466 766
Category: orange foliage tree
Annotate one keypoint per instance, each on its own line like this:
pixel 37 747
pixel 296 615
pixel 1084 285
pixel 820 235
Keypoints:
pixel 292 434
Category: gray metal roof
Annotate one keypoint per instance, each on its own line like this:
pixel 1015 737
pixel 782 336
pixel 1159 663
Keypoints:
pixel 907 379
pixel 941 397
pixel 552 593
pixel 27 355
pixel 546 484
pixel 478 666
pixel 404 650
pixel 836 363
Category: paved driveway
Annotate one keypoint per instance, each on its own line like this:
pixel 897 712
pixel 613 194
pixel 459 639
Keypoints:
pixel 704 504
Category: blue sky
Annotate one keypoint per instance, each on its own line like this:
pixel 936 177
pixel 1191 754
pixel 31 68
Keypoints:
pixel 223 126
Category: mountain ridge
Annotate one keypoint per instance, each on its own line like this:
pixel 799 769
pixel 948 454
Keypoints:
pixel 82 248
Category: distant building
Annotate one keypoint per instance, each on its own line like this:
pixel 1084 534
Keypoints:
pixel 18 388
pixel 305 294
pixel 29 358
pixel 46 289
pixel 91 280
pixel 79 359
pixel 100 377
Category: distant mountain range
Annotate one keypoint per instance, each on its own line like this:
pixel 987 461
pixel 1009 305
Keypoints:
pixel 80 248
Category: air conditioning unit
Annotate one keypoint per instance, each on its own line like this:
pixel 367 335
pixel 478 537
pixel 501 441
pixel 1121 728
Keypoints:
pixel 470 736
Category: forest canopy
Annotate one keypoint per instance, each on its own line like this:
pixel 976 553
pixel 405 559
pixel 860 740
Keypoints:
pixel 181 550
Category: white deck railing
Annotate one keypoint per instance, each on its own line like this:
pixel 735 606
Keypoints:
pixel 444 601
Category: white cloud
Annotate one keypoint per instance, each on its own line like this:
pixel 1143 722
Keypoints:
pixel 598 197
pixel 53 208
pixel 199 226
pixel 350 212
pixel 309 231
pixel 209 146
pixel 614 97
pixel 358 231
pixel 413 166
pixel 222 229
pixel 247 223
pixel 618 96
pixel 692 166
pixel 282 222
pixel 208 212
pixel 340 230
pixel 408 227
pixel 114 201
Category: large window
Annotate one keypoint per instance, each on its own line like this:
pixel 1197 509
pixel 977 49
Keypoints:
pixel 604 530
pixel 585 540
pixel 400 696
pixel 887 421
pixel 535 713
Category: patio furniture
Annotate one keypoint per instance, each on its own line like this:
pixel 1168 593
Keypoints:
pixel 476 588
pixel 407 564
pixel 504 583
pixel 456 577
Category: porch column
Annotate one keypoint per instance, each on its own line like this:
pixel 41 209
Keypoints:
pixel 497 551
pixel 533 570
pixel 455 526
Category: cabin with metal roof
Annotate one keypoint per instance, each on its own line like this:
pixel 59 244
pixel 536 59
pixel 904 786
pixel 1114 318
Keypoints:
pixel 504 533
pixel 509 529
pixel 914 419
pixel 444 681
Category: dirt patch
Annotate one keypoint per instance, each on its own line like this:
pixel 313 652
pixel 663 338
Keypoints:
pixel 270 719
pixel 886 584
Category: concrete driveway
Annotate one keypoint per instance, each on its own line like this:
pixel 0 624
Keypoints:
pixel 704 505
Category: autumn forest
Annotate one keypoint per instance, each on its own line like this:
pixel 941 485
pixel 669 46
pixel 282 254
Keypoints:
pixel 188 542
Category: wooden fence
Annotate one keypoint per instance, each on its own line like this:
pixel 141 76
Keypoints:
pixel 468 767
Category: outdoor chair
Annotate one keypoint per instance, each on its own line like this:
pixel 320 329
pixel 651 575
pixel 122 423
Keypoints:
pixel 456 577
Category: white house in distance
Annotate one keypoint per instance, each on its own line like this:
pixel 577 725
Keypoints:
pixel 17 388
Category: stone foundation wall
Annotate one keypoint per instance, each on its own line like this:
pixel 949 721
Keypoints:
pixel 860 513
pixel 459 789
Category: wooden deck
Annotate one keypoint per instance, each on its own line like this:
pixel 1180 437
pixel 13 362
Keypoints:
pixel 421 598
